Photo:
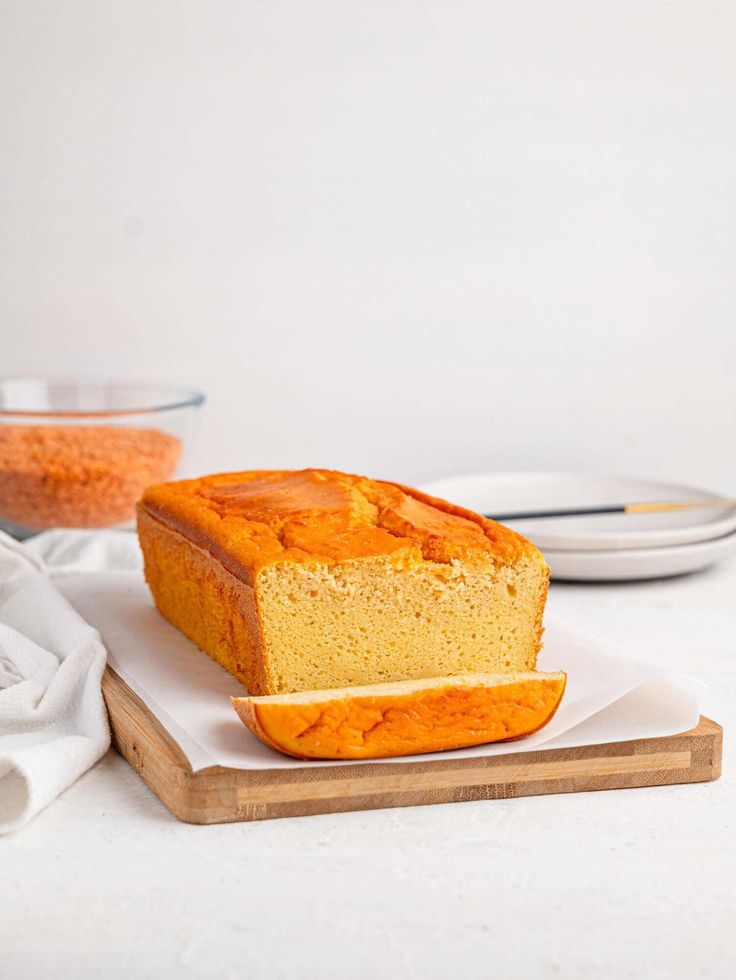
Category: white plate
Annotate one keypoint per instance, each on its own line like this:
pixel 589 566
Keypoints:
pixel 619 565
pixel 499 493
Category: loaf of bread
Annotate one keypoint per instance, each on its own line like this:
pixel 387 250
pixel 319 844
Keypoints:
pixel 314 579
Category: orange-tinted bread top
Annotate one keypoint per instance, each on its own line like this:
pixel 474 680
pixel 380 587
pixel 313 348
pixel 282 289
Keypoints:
pixel 248 520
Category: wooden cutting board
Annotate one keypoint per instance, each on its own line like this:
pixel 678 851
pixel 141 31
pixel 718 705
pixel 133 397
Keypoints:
pixel 220 795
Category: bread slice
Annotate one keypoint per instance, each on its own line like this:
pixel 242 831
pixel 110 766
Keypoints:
pixel 306 580
pixel 404 718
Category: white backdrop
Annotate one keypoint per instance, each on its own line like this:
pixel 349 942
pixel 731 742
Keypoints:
pixel 403 238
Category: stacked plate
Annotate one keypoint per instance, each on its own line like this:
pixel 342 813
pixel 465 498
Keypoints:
pixel 603 547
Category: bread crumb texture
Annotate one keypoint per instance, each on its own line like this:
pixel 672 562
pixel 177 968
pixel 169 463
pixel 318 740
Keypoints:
pixel 79 475
pixel 405 719
pixel 314 579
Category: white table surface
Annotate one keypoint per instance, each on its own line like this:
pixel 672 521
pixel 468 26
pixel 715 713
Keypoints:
pixel 632 883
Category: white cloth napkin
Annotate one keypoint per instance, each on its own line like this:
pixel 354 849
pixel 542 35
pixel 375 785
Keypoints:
pixel 53 723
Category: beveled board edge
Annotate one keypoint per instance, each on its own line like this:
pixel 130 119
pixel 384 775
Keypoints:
pixel 224 795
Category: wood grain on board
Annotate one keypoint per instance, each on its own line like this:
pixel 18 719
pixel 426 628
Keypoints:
pixel 223 795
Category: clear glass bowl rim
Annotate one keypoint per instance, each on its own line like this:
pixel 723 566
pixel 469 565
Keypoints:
pixel 172 396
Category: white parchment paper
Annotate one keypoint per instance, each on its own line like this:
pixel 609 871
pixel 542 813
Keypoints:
pixel 609 697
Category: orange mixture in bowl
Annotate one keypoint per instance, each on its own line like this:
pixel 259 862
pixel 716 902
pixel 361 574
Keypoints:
pixel 80 475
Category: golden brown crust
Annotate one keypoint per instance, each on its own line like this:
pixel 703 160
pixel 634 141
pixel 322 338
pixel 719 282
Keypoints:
pixel 248 520
pixel 386 720
pixel 214 608
pixel 247 713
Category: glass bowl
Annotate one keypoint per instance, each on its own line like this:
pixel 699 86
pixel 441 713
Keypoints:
pixel 77 452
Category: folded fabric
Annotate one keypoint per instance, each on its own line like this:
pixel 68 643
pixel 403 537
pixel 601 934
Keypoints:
pixel 53 723
pixel 69 552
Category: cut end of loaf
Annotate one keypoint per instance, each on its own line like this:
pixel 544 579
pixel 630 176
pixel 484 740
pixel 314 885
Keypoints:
pixel 369 622
pixel 406 717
